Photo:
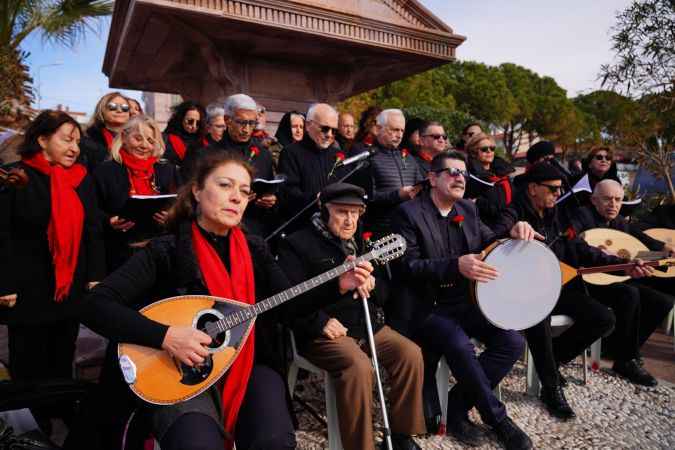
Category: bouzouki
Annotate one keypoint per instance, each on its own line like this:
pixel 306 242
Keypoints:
pixel 156 377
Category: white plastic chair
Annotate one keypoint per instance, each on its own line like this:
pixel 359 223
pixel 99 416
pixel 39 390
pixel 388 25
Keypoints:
pixel 332 419
pixel 559 324
pixel 443 386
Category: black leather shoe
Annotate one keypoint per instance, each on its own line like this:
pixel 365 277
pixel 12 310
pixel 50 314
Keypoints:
pixel 632 371
pixel 556 403
pixel 466 432
pixel 401 442
pixel 511 436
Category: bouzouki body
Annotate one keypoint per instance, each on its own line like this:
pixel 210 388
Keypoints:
pixel 158 378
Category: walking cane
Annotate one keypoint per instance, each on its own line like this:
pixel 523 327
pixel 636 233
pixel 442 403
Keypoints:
pixel 380 391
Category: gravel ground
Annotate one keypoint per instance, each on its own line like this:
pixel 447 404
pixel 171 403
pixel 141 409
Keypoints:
pixel 611 414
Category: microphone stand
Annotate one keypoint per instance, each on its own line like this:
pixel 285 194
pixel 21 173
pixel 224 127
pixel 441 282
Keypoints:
pixel 380 391
pixel 359 166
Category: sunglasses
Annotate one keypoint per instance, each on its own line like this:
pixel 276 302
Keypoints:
pixel 486 149
pixel 325 129
pixel 246 123
pixel 454 172
pixel 602 157
pixel 552 189
pixel 437 136
pixel 192 122
pixel 121 107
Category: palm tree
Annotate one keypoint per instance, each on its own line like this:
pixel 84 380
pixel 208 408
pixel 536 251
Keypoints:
pixel 62 22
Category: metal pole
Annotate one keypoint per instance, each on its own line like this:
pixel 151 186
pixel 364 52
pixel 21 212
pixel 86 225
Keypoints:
pixel 39 81
pixel 380 391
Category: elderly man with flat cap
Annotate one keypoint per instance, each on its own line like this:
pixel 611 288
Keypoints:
pixel 639 306
pixel 330 328
pixel 536 204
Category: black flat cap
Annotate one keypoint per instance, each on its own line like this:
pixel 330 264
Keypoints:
pixel 343 193
pixel 539 150
pixel 542 171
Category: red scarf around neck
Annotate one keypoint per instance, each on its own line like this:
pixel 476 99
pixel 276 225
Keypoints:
pixel 239 285
pixel 108 136
pixel 506 187
pixel 178 145
pixel 141 173
pixel 66 220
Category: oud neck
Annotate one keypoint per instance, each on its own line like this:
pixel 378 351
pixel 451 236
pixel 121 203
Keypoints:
pixel 616 267
pixel 252 311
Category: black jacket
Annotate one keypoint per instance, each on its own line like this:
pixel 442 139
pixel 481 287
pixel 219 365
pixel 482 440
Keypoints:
pixel 191 141
pixel 588 217
pixel 575 252
pixel 388 172
pixel 93 148
pixel 307 253
pixel 112 188
pixel 661 217
pixel 491 200
pixel 26 266
pixel 424 269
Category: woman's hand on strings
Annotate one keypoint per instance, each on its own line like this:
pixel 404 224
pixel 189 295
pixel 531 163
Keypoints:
pixel 187 344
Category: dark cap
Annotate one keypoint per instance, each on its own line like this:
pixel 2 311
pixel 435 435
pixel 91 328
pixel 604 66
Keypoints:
pixel 539 150
pixel 542 171
pixel 343 193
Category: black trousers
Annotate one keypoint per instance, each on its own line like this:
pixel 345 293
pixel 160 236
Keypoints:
pixel 592 320
pixel 264 422
pixel 42 351
pixel 638 308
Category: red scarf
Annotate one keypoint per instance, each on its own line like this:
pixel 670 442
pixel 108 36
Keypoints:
pixel 178 145
pixel 108 136
pixel 239 286
pixel 506 187
pixel 141 173
pixel 66 220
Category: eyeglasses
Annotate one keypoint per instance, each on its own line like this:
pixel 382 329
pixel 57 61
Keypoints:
pixel 454 172
pixel 490 148
pixel 602 157
pixel 219 126
pixel 194 122
pixel 246 123
pixel 121 107
pixel 552 189
pixel 437 136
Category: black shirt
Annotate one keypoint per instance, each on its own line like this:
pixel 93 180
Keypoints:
pixel 454 245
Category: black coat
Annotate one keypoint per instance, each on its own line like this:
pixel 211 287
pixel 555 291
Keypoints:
pixel 26 266
pixel 307 170
pixel 191 141
pixel 93 148
pixel 305 254
pixel 491 200
pixel 588 217
pixel 112 188
pixel 662 217
pixel 424 269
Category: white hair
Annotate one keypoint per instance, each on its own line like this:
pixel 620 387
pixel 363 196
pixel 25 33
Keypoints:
pixel 383 117
pixel 236 102
pixel 609 183
pixel 213 111
pixel 311 112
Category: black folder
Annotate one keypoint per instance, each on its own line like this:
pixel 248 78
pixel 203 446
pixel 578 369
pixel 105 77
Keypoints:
pixel 140 209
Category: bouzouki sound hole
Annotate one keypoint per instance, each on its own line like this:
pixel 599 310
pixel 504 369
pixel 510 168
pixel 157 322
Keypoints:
pixel 205 321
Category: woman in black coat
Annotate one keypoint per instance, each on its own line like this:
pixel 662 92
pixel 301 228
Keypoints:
pixel 185 131
pixel 112 111
pixel 51 249
pixel 135 169
pixel 492 190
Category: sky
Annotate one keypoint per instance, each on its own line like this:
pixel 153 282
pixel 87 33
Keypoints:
pixel 565 40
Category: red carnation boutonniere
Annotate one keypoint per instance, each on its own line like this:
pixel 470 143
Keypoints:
pixel 339 157
pixel 368 140
pixel 253 152
pixel 404 155
pixel 458 220
pixel 367 235
pixel 570 233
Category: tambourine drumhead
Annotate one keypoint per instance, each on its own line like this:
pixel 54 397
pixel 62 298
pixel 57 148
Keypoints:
pixel 528 286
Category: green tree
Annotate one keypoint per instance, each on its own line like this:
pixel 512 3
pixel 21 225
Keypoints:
pixel 644 42
pixel 62 22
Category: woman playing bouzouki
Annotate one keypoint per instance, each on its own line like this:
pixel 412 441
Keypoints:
pixel 207 253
